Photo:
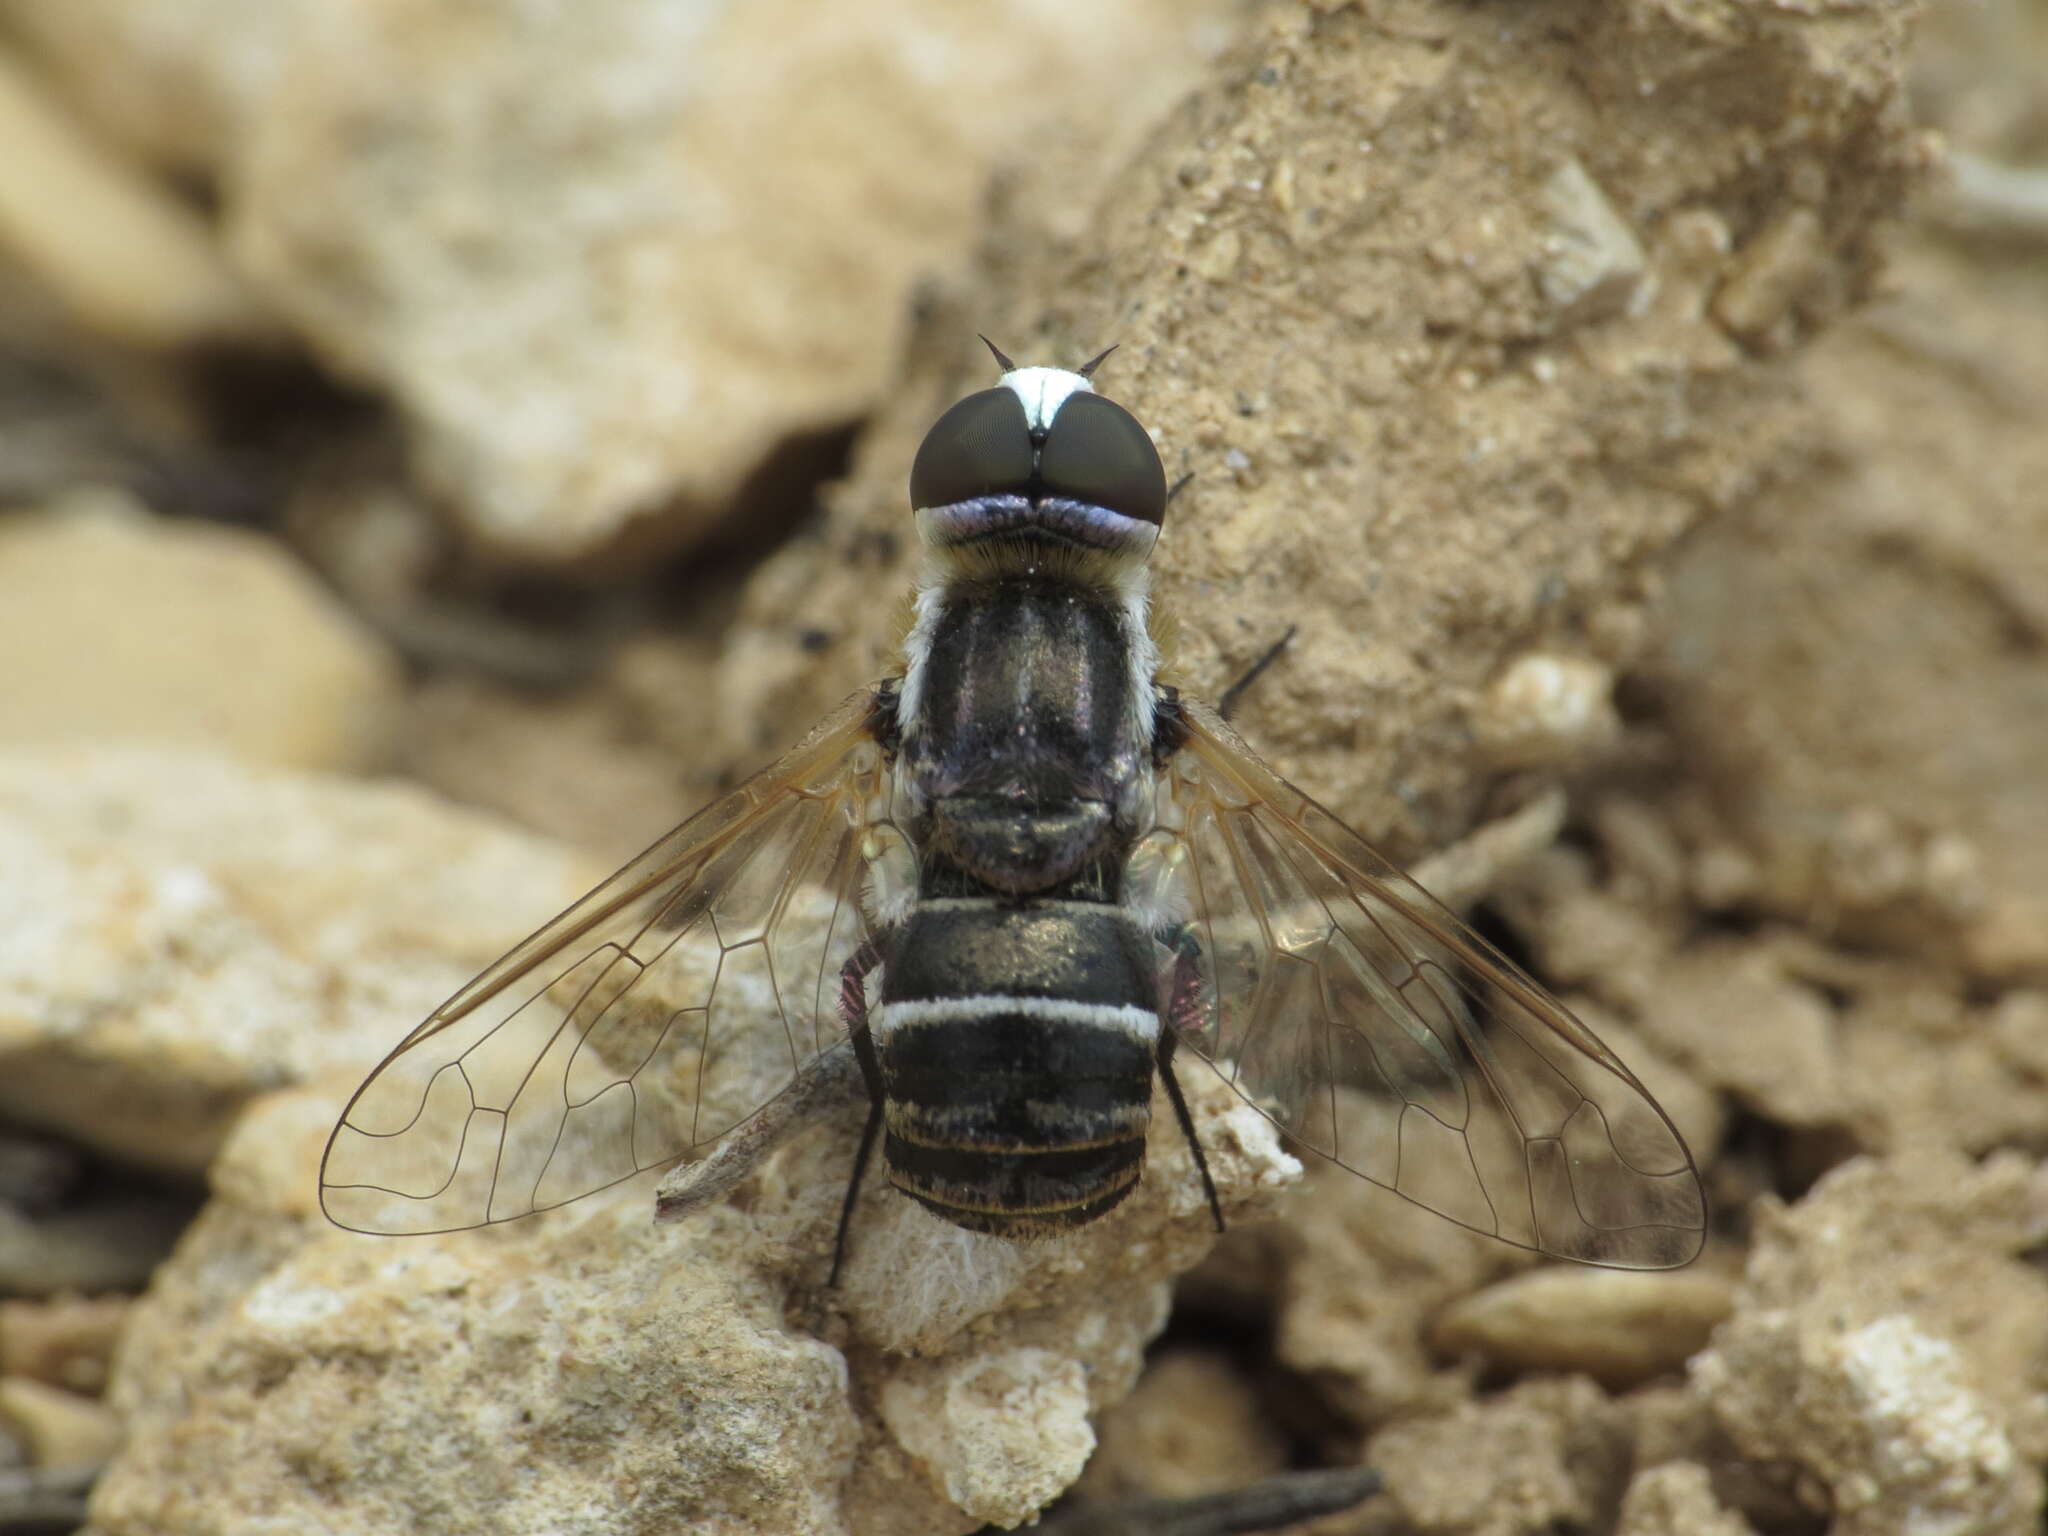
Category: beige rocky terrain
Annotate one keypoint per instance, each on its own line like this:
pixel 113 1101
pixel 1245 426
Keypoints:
pixel 442 446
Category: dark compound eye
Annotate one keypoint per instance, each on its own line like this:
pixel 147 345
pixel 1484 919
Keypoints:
pixel 1098 453
pixel 980 447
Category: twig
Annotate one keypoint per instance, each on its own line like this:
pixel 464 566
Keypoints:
pixel 1261 1506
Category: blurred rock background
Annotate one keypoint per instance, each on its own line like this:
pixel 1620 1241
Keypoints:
pixel 442 444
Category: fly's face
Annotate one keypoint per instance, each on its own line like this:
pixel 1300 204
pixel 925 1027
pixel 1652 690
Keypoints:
pixel 1040 456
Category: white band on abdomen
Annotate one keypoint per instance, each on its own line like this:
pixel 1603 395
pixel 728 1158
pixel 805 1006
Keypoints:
pixel 1125 1019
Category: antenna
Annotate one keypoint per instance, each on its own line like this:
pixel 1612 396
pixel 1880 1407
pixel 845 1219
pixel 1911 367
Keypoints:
pixel 1089 367
pixel 1002 362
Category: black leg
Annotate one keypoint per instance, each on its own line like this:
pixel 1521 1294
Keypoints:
pixel 1183 1014
pixel 1187 1124
pixel 1226 705
pixel 860 1166
pixel 853 1008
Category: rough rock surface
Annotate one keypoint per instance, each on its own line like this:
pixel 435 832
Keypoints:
pixel 65 1342
pixel 1193 1425
pixel 590 1371
pixel 1325 271
pixel 57 1428
pixel 177 82
pixel 121 627
pixel 1537 1457
pixel 1891 1341
pixel 1537 359
pixel 178 934
pixel 1677 1499
pixel 1831 739
pixel 1847 1050
pixel 653 251
pixel 1617 1327
pixel 125 256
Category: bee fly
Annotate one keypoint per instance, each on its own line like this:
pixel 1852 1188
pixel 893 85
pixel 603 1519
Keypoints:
pixel 1013 879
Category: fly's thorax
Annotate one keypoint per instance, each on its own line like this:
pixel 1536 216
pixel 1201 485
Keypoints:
pixel 1026 717
pixel 1016 1045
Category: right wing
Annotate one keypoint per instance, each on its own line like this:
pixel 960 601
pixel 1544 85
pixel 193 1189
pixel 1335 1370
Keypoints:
pixel 649 1019
pixel 1342 1001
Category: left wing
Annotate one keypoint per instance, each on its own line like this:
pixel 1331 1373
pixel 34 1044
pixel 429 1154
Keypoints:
pixel 657 1013
pixel 1375 1028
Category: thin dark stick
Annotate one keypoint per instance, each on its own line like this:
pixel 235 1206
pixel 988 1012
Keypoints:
pixel 1263 1506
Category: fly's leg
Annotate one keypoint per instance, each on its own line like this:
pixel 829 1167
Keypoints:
pixel 853 1010
pixel 1184 1012
pixel 827 1081
pixel 1231 697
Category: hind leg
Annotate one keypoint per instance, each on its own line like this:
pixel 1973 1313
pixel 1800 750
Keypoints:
pixel 853 1009
pixel 1183 1010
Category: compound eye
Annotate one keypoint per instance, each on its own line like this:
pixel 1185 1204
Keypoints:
pixel 980 447
pixel 1097 453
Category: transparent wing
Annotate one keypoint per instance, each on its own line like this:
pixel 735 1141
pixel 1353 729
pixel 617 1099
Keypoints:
pixel 1341 1000
pixel 650 1018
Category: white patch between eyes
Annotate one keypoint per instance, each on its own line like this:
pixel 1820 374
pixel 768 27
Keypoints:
pixel 1044 391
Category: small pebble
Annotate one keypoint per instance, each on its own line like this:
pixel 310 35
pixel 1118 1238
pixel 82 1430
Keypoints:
pixel 1619 1328
pixel 60 1429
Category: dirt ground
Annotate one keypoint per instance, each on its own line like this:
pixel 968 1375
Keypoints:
pixel 441 447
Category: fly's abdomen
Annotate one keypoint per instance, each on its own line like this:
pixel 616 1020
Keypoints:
pixel 1016 1045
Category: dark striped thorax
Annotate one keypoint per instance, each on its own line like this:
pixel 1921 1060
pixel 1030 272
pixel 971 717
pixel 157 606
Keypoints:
pixel 1018 1018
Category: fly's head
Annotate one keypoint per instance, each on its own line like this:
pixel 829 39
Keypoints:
pixel 1039 464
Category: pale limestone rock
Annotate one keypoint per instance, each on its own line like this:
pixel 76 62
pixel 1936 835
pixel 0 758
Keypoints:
pixel 1677 1499
pixel 1766 1036
pixel 249 930
pixel 1002 1432
pixel 123 254
pixel 1592 263
pixel 695 1375
pixel 583 1372
pixel 1320 270
pixel 661 240
pixel 1538 1456
pixel 1770 273
pixel 177 82
pixel 1838 1042
pixel 1546 709
pixel 1195 1424
pixel 64 1341
pixel 58 1428
pixel 1359 1274
pixel 1849 663
pixel 119 627
pixel 178 934
pixel 1890 1342
pixel 1618 1327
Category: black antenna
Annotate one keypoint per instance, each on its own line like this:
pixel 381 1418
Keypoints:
pixel 1089 367
pixel 1002 362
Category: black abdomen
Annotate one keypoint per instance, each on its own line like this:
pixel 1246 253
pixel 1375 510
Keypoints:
pixel 1016 1044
